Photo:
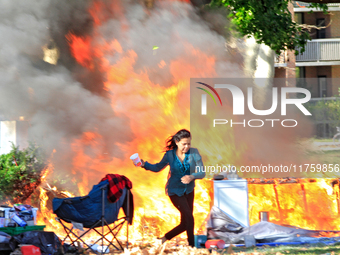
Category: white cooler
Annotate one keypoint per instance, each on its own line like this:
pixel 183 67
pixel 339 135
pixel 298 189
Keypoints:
pixel 231 196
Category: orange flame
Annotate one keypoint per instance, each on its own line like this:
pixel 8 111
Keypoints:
pixel 80 49
pixel 311 205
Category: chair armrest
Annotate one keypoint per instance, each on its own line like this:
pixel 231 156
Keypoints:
pixel 104 186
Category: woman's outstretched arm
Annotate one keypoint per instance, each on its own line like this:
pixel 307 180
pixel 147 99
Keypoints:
pixel 158 166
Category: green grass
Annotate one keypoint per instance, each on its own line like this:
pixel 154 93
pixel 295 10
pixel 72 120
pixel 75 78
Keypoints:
pixel 324 157
pixel 292 249
pixel 322 140
pixel 331 157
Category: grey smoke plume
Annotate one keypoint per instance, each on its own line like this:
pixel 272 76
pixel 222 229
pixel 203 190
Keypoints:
pixel 177 29
pixel 59 108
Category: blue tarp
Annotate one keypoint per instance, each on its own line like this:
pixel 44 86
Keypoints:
pixel 88 209
pixel 326 241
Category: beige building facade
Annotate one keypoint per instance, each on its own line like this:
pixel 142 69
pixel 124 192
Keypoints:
pixel 320 61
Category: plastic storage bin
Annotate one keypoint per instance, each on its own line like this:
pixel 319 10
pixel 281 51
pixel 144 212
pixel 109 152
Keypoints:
pixel 19 230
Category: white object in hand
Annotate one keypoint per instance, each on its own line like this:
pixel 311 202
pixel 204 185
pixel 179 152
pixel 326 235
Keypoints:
pixel 136 160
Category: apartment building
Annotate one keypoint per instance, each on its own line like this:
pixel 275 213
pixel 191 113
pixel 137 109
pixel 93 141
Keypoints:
pixel 321 59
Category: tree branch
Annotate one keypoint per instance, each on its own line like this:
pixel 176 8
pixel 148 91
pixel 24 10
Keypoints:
pixel 310 27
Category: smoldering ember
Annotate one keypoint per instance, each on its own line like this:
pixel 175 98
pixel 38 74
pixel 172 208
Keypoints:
pixel 92 90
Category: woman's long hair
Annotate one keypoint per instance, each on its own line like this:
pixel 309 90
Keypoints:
pixel 171 141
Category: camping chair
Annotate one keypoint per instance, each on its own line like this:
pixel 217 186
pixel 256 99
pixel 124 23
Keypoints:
pixel 93 211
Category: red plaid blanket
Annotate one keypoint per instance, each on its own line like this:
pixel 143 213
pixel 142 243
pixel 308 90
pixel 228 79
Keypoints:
pixel 116 185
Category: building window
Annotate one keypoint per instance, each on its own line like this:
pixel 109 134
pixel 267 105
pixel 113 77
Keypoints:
pixel 320 33
pixel 299 17
pixel 300 72
pixel 322 80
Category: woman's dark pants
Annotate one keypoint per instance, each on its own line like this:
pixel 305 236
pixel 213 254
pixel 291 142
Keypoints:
pixel 185 204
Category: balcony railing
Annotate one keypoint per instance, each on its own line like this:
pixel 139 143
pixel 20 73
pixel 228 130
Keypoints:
pixel 319 50
pixel 305 7
pixel 298 4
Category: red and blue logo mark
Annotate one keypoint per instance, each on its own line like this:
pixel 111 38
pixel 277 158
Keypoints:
pixel 209 93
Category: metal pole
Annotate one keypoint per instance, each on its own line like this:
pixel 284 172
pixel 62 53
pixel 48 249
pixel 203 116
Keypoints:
pixel 278 203
pixel 128 218
pixel 103 214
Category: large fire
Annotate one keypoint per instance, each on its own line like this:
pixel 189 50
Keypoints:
pixel 141 100
pixel 311 205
